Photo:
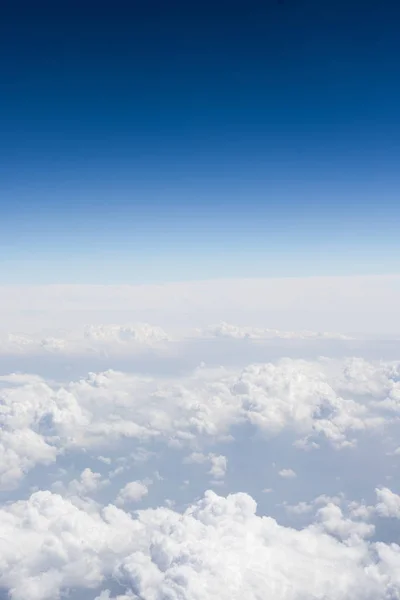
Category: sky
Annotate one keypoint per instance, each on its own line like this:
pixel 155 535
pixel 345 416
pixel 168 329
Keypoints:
pixel 157 142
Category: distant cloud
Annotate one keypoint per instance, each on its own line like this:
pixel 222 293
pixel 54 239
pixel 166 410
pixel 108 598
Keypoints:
pixel 132 492
pixel 87 484
pixel 389 503
pixel 141 333
pixel 218 463
pixel 227 330
pixel 331 400
pixel 287 474
pixel 100 339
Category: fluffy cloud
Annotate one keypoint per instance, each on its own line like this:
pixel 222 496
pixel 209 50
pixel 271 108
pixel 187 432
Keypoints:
pixel 287 474
pixel 100 339
pixel 23 406
pixel 218 463
pixel 95 449
pixel 335 400
pixel 132 492
pixel 389 503
pixel 20 451
pixel 230 331
pixel 332 521
pixel 106 595
pixel 87 484
pixel 218 547
pixel 142 333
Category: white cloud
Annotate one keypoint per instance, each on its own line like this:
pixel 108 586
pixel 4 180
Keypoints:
pixel 230 331
pixel 20 451
pixel 287 474
pixel 217 547
pixel 100 339
pixel 218 463
pixel 132 492
pixel 107 436
pixel 218 466
pixel 337 516
pixel 389 503
pixel 141 332
pixel 106 595
pixel 328 399
pixel 299 509
pixel 332 521
pixel 87 484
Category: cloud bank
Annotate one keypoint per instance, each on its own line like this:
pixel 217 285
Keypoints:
pixel 201 463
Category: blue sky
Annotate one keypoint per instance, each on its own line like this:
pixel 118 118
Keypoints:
pixel 192 140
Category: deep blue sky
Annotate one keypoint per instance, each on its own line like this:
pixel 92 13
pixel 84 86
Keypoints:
pixel 173 140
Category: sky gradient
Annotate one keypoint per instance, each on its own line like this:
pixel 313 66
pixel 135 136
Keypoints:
pixel 175 141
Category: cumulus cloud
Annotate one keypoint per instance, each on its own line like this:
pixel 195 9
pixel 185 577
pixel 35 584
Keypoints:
pixel 332 520
pixel 87 484
pixel 20 451
pixel 218 463
pixel 287 473
pixel 106 595
pixel 389 503
pixel 299 509
pixel 132 492
pixel 218 466
pixel 230 331
pixel 217 547
pixel 114 339
pixel 103 476
pixel 327 399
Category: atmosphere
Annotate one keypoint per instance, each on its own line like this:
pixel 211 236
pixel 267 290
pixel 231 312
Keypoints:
pixel 170 141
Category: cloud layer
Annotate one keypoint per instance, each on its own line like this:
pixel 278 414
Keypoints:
pixel 148 483
pixel 218 547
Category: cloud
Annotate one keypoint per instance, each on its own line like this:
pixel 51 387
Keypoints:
pixel 287 474
pixel 91 339
pixel 313 400
pixel 294 395
pixel 389 503
pixel 218 466
pixel 218 463
pixel 94 449
pixel 217 546
pixel 83 460
pixel 106 595
pixel 229 331
pixel 332 521
pixel 132 492
pixel 142 333
pixel 88 484
pixel 299 509
pixel 20 451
